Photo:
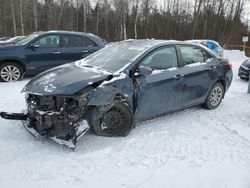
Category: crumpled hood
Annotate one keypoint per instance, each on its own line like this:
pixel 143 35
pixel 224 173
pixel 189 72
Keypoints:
pixel 65 80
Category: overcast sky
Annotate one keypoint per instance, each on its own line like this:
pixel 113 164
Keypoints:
pixel 247 10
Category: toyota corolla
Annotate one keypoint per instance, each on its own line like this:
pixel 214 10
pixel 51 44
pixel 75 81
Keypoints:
pixel 124 83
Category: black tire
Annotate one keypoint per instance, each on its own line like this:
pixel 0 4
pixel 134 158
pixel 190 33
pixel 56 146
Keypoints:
pixel 117 121
pixel 17 72
pixel 242 78
pixel 215 96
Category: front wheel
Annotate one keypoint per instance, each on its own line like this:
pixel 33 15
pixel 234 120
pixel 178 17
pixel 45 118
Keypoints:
pixel 214 97
pixel 117 121
pixel 10 72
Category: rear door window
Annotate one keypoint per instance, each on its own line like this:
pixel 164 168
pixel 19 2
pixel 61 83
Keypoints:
pixel 194 54
pixel 70 41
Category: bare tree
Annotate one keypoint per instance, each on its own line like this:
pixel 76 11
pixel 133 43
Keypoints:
pixel 21 16
pixel 197 9
pixel 35 14
pixel 136 19
pixel 121 19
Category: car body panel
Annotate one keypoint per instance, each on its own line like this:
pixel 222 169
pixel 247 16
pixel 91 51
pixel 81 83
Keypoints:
pixel 159 93
pixel 64 80
pixel 39 60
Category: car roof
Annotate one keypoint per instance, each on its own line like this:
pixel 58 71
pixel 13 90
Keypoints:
pixel 202 40
pixel 65 32
pixel 150 43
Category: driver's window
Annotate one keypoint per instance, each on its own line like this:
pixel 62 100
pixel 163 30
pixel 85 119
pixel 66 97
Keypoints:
pixel 161 59
pixel 50 41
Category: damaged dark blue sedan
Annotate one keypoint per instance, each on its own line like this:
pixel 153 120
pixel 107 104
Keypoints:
pixel 122 84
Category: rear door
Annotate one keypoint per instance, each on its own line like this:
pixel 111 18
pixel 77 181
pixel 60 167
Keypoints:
pixel 160 91
pixel 199 74
pixel 77 47
pixel 46 53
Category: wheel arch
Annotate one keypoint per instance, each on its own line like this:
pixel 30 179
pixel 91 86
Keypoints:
pixel 223 82
pixel 106 96
pixel 16 61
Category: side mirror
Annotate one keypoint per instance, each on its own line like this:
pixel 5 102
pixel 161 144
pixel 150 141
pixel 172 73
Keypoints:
pixel 34 46
pixel 144 71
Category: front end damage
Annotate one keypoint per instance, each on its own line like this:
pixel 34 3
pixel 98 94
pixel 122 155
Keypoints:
pixel 60 102
pixel 60 118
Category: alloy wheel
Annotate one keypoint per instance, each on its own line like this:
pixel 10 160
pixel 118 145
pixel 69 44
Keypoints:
pixel 216 96
pixel 10 73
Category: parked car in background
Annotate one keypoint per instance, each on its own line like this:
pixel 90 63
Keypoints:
pixel 124 83
pixel 244 70
pixel 211 44
pixel 43 50
pixel 11 41
pixel 4 38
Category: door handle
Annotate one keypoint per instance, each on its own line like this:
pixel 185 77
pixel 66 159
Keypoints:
pixel 56 52
pixel 178 76
pixel 85 51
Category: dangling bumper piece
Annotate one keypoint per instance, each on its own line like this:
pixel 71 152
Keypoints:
pixel 51 125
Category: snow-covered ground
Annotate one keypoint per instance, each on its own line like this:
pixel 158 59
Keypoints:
pixel 193 148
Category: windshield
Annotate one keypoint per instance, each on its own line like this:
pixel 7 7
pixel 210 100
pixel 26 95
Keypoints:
pixel 27 39
pixel 114 57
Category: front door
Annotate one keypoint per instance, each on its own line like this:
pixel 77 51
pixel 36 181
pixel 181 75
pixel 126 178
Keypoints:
pixel 160 91
pixel 44 53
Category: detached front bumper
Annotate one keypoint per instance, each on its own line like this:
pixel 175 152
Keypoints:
pixel 51 125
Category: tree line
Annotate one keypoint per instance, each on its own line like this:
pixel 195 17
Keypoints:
pixel 116 20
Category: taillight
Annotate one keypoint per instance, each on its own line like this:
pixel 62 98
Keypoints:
pixel 230 66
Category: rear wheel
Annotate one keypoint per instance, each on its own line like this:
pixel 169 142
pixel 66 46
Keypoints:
pixel 11 72
pixel 117 121
pixel 214 97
